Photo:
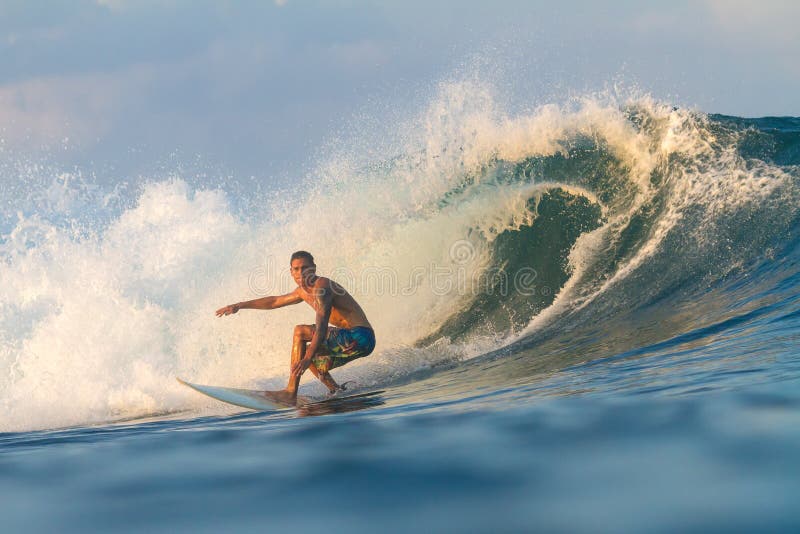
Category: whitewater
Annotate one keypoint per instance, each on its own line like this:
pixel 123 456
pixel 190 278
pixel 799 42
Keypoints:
pixel 592 302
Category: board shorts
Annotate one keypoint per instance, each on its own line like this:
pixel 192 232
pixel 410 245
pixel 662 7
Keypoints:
pixel 345 345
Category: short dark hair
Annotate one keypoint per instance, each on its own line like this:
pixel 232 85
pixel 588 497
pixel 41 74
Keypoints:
pixel 302 254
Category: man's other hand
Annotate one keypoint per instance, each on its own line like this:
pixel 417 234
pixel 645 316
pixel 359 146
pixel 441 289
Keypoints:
pixel 300 367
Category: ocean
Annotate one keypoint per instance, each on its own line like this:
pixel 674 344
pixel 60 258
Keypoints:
pixel 586 314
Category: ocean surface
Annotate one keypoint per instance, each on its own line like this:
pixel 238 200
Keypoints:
pixel 587 318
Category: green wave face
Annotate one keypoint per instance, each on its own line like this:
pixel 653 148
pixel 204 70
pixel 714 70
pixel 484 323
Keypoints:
pixel 725 193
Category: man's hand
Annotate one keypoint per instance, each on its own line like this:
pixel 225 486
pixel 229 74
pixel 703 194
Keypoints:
pixel 227 310
pixel 300 367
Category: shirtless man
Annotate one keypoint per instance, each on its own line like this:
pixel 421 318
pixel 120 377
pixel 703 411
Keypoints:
pixel 350 336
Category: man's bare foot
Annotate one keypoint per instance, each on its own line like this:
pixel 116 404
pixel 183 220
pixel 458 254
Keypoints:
pixel 282 396
pixel 339 388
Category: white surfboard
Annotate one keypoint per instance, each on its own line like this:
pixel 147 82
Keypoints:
pixel 246 398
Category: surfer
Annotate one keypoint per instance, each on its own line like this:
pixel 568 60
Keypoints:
pixel 340 334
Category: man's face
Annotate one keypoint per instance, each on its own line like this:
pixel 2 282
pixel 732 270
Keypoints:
pixel 302 269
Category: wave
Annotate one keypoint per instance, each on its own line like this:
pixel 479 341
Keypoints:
pixel 474 230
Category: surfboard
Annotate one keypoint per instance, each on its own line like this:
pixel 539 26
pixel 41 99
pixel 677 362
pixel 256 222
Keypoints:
pixel 245 398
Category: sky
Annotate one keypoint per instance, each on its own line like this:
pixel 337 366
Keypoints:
pixel 256 88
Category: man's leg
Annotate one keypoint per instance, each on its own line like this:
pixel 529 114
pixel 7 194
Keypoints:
pixel 303 333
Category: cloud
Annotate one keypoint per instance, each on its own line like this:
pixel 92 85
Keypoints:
pixel 46 110
pixel 358 54
pixel 111 4
pixel 655 21
pixel 770 23
pixel 144 102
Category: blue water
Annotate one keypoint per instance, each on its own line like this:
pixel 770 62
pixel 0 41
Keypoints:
pixel 535 456
pixel 647 382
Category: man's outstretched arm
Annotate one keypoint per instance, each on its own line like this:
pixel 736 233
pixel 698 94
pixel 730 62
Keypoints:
pixel 264 303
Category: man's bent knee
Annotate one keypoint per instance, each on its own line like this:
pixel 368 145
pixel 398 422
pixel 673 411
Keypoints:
pixel 304 331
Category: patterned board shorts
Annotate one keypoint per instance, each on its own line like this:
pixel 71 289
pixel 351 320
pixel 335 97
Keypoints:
pixel 344 346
